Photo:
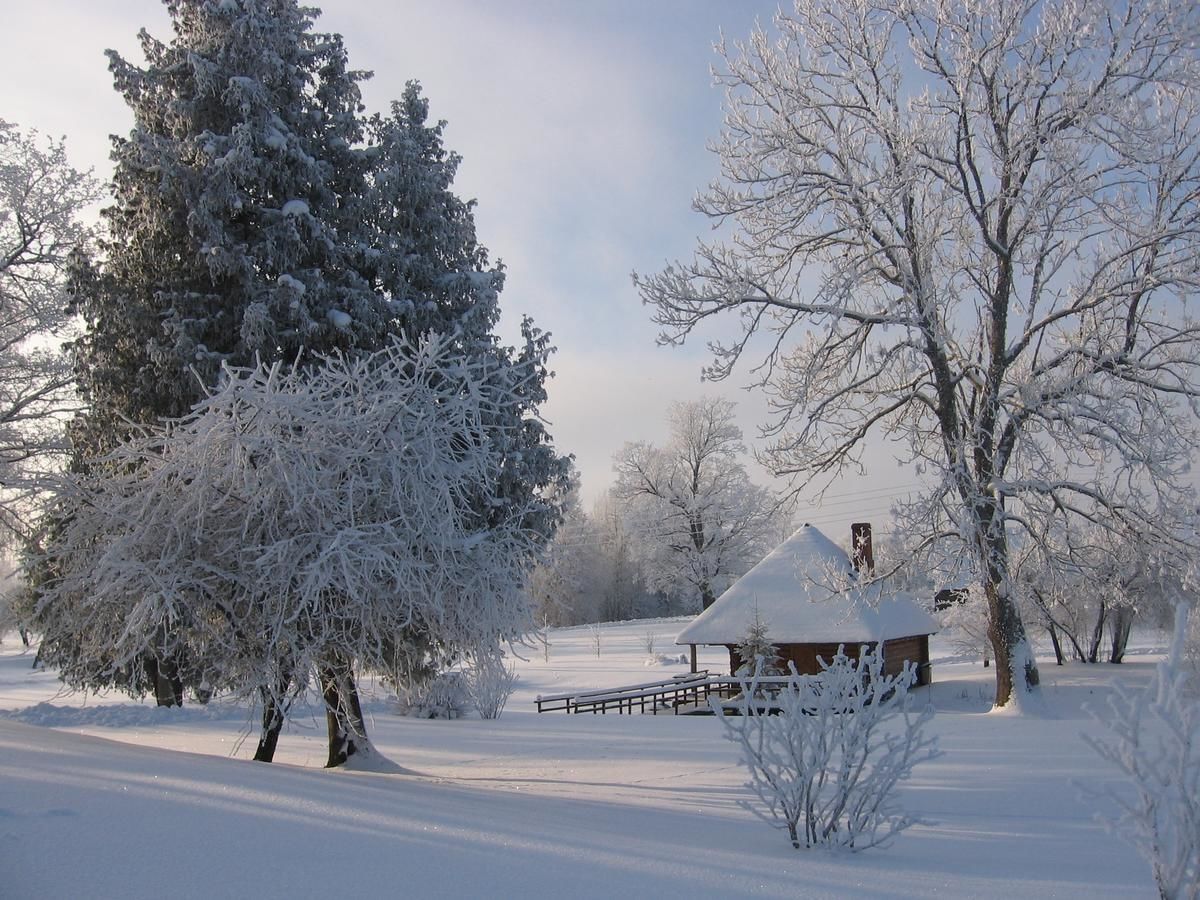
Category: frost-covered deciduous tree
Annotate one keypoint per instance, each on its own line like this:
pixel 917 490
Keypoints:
pixel 260 215
pixel 1155 742
pixel 296 522
pixel 1086 585
pixel 826 753
pixel 567 584
pixel 972 228
pixel 624 593
pixel 41 199
pixel 699 519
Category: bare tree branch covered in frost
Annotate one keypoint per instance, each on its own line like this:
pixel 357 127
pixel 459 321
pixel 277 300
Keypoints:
pixel 972 228
pixel 41 198
pixel 1087 585
pixel 827 752
pixel 1155 743
pixel 696 514
pixel 299 522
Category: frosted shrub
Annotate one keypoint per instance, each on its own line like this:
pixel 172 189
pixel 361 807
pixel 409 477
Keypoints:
pixel 445 696
pixel 491 683
pixel 827 751
pixel 1155 743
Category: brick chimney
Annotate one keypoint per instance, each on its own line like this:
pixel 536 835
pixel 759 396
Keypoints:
pixel 863 553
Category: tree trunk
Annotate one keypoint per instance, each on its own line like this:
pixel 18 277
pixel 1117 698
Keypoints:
pixel 1052 625
pixel 1075 648
pixel 1015 666
pixel 1121 626
pixel 343 713
pixel 1058 654
pixel 272 725
pixel 164 676
pixel 707 598
pixel 1097 634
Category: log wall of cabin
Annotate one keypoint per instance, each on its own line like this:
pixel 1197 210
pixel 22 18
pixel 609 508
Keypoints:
pixel 805 657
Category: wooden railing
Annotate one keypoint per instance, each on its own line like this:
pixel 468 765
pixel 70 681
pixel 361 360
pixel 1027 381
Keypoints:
pixel 692 689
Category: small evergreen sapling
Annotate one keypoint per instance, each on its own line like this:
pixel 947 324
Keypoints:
pixel 756 650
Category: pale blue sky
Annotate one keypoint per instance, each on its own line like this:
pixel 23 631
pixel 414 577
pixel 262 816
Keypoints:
pixel 582 128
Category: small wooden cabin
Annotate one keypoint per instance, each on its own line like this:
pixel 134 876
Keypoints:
pixel 812 599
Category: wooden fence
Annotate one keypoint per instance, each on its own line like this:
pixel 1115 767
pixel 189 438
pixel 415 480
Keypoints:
pixel 684 692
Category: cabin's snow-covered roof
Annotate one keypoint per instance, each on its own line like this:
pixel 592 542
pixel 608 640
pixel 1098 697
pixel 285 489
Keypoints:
pixel 806 591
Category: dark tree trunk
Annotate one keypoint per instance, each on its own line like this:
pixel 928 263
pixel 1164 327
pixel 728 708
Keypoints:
pixel 272 725
pixel 707 598
pixel 1121 626
pixel 1097 634
pixel 1058 654
pixel 1075 648
pixel 1005 631
pixel 343 713
pixel 1052 625
pixel 164 676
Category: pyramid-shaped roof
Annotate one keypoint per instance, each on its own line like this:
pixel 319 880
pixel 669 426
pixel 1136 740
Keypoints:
pixel 807 592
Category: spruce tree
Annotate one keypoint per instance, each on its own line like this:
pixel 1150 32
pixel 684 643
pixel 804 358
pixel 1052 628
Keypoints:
pixel 226 241
pixel 260 215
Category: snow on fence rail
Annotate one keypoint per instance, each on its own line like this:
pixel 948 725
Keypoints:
pixel 680 691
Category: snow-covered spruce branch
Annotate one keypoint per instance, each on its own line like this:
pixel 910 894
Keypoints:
pixel 826 752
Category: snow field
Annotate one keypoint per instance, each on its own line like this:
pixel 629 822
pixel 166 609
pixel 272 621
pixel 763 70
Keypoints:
pixel 92 804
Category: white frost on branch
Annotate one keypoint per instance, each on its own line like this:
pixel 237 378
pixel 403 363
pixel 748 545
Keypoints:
pixel 297 516
pixel 826 752
pixel 295 208
pixel 1154 742
pixel 970 228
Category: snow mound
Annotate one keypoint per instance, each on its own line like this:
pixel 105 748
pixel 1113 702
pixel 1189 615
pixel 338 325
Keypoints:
pixel 118 715
pixel 664 659
pixel 295 208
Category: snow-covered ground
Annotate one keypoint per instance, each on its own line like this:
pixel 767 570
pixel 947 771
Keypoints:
pixel 105 797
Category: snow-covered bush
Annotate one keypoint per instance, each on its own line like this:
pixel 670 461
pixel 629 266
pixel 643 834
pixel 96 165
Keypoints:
pixel 1155 743
pixel 491 681
pixel 445 696
pixel 300 521
pixel 826 752
pixel 666 659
